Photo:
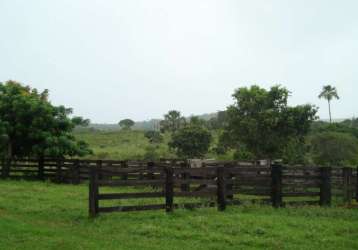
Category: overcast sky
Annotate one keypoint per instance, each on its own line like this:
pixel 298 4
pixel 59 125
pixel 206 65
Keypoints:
pixel 112 59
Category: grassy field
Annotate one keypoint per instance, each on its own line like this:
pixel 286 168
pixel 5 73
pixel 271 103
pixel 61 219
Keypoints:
pixel 132 145
pixel 121 144
pixel 37 215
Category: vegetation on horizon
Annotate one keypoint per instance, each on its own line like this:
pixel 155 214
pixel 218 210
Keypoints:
pixel 259 125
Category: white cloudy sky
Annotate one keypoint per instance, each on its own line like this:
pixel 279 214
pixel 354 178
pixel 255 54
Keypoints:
pixel 112 59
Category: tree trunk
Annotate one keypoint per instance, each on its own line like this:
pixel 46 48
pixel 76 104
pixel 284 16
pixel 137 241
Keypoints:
pixel 329 109
pixel 9 150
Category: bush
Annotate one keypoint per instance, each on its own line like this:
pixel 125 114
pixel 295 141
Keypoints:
pixel 191 141
pixel 334 148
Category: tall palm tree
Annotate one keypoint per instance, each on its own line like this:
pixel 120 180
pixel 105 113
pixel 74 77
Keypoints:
pixel 328 93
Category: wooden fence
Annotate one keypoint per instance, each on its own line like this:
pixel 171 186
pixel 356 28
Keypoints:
pixel 69 170
pixel 172 183
pixel 220 185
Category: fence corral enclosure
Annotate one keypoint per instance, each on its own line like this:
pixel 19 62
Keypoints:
pixel 169 184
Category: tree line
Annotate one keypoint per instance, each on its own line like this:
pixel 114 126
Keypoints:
pixel 258 125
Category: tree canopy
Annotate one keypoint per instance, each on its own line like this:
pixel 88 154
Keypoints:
pixel 126 124
pixel 262 122
pixel 172 121
pixel 334 149
pixel 191 141
pixel 153 136
pixel 31 126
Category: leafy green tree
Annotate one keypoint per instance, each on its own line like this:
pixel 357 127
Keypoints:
pixel 197 121
pixel 352 123
pixel 319 127
pixel 126 124
pixel 334 149
pixel 191 141
pixel 172 121
pixel 328 93
pixel 218 122
pixel 261 121
pixel 31 126
pixel 154 137
pixel 151 153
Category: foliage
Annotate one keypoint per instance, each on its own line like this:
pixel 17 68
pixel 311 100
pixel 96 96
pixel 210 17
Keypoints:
pixel 153 136
pixel 191 141
pixel 352 123
pixel 343 127
pixel 218 122
pixel 151 153
pixel 172 122
pixel 328 92
pixel 295 152
pixel 32 126
pixel 334 149
pixel 197 121
pixel 263 123
pixel 126 124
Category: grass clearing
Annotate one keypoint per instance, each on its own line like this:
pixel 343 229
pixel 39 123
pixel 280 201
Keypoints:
pixel 42 215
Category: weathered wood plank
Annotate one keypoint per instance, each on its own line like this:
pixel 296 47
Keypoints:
pixel 112 196
pixel 118 183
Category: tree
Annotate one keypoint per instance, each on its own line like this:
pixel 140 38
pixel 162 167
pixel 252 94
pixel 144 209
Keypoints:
pixel 261 122
pixel 191 141
pixel 154 137
pixel 334 149
pixel 31 126
pixel 126 124
pixel 197 121
pixel 328 93
pixel 172 121
pixel 218 122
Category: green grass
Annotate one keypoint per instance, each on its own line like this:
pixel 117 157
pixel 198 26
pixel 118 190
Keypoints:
pixel 121 144
pixel 132 145
pixel 37 215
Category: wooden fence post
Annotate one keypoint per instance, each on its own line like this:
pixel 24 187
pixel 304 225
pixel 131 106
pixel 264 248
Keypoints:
pixel 59 176
pixel 99 167
pixel 93 192
pixel 229 187
pixel 124 164
pixel 221 186
pixel 40 173
pixel 150 166
pixel 76 174
pixel 357 184
pixel 2 167
pixel 347 183
pixel 325 190
pixel 185 176
pixel 169 189
pixel 6 168
pixel 276 191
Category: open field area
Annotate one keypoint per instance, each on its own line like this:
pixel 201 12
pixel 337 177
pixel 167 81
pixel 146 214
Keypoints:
pixel 132 144
pixel 120 145
pixel 40 215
